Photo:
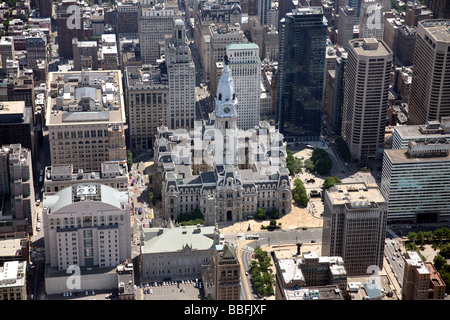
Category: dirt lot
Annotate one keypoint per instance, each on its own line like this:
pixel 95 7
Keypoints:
pixel 297 218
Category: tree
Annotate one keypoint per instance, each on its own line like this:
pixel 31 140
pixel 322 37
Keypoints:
pixel 260 214
pixel 299 193
pixel 129 159
pixel 445 251
pixel 151 196
pixel 274 214
pixel 420 238
pixel 273 223
pixel 439 262
pixel 193 218
pixel 411 236
pixel 428 236
pixel 322 161
pixel 309 165
pixel 292 164
pixel 262 275
pixel 330 181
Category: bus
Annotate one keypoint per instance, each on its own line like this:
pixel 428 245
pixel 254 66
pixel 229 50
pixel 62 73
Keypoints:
pixel 132 182
pixel 308 146
pixel 253 236
pixel 140 210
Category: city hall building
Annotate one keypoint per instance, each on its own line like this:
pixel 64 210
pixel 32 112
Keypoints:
pixel 225 172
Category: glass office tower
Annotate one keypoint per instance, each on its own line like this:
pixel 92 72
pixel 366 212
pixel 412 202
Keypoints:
pixel 301 69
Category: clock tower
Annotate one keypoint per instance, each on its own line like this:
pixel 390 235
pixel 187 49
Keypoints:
pixel 226 101
pixel 226 119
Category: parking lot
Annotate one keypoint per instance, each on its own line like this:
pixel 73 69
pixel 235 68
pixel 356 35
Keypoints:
pixel 171 290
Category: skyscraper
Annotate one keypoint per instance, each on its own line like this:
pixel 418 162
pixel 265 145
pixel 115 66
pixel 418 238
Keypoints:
pixel 371 18
pixel 354 226
pixel 338 92
pixel 347 19
pixel 366 97
pixel 70 25
pixel 301 68
pixel 263 9
pixel 155 21
pixel 430 94
pixel 147 91
pixel 181 72
pixel 17 189
pixel 246 66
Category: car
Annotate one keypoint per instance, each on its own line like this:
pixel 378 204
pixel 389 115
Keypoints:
pixel 93 292
pixel 313 241
pixel 151 291
pixel 87 292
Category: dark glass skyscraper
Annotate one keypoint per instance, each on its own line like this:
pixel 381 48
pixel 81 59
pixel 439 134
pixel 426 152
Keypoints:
pixel 301 68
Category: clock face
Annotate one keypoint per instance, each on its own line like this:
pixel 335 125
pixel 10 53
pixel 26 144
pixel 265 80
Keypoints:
pixel 226 110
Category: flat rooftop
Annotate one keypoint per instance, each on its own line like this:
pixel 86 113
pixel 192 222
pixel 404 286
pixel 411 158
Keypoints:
pixel 11 247
pixel 12 107
pixel 370 47
pixel 330 292
pixel 290 271
pixel 402 156
pixel 439 29
pixel 414 260
pixel 242 46
pixel 414 132
pixel 72 87
pixel 357 193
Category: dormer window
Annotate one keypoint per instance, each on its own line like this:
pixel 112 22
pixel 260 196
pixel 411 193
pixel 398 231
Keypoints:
pixel 220 96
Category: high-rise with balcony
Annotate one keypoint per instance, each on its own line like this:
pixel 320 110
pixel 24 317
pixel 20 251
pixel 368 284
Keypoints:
pixel 366 97
pixel 301 69
pixel 430 88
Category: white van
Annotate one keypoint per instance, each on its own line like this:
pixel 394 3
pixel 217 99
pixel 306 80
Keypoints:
pixel 38 227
